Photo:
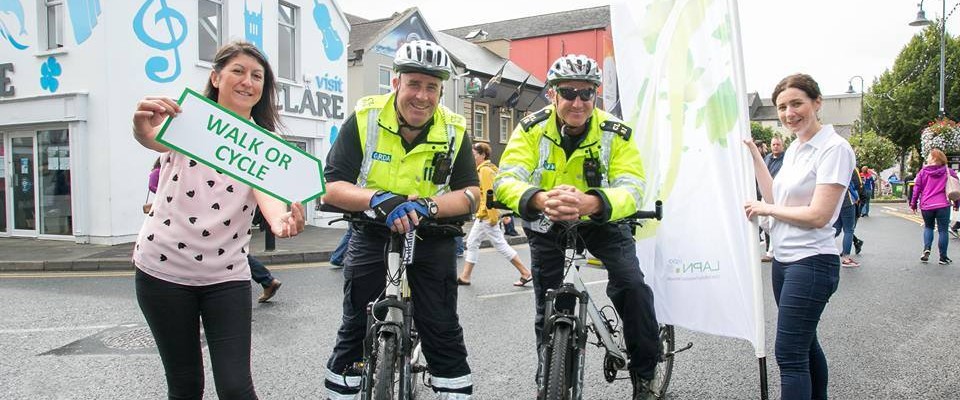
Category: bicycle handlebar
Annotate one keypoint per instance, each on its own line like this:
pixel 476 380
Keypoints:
pixel 656 213
pixel 362 217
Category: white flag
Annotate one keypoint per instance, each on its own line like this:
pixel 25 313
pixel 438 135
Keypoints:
pixel 681 88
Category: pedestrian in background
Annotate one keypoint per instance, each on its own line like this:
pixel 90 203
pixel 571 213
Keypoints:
pixel 869 178
pixel 930 196
pixel 486 224
pixel 191 251
pixel 804 201
pixel 847 221
pixel 773 161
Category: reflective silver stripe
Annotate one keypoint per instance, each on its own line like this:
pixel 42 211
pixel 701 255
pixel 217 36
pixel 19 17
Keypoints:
pixel 633 185
pixel 452 140
pixel 606 145
pixel 348 381
pixel 459 382
pixel 373 133
pixel 331 395
pixel 511 172
pixel 544 155
pixel 452 396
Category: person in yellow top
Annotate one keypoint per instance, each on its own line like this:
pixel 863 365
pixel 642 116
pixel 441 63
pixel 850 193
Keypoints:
pixel 571 161
pixel 487 224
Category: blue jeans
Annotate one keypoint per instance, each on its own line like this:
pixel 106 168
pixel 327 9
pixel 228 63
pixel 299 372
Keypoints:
pixel 846 222
pixel 341 251
pixel 259 272
pixel 459 240
pixel 865 203
pixel 942 218
pixel 802 289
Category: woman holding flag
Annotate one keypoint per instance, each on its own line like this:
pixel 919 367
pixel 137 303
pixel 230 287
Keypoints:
pixel 804 201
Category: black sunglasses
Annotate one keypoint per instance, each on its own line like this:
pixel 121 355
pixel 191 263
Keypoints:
pixel 571 94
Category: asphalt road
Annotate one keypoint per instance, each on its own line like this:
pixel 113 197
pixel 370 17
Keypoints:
pixel 890 332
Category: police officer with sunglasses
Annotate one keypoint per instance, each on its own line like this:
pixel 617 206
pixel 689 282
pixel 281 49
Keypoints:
pixel 572 161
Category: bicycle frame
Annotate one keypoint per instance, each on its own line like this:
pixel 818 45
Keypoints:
pixel 397 308
pixel 586 311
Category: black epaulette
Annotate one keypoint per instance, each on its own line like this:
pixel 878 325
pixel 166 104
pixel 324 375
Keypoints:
pixel 618 127
pixel 534 118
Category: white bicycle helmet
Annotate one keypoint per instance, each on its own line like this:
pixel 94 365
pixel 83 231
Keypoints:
pixel 574 67
pixel 422 56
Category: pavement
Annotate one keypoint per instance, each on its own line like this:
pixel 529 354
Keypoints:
pixel 314 244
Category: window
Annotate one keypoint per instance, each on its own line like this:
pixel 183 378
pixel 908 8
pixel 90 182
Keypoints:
pixel 384 79
pixel 506 124
pixel 287 36
pixel 480 122
pixel 54 23
pixel 210 29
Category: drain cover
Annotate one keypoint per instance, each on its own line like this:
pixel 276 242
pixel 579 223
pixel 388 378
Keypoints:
pixel 123 339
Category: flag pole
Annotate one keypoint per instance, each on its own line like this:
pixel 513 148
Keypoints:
pixel 748 188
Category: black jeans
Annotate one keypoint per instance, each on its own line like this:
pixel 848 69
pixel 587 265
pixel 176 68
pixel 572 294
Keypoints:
pixel 174 313
pixel 632 298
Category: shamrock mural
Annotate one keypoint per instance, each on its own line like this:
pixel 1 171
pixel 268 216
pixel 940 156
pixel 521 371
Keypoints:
pixel 49 71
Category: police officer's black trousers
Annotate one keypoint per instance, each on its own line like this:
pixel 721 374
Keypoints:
pixel 633 299
pixel 433 285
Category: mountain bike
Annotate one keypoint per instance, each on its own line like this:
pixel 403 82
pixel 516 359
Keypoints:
pixel 571 316
pixel 393 361
pixel 566 328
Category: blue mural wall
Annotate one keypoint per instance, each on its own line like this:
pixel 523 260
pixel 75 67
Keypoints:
pixel 253 26
pixel 84 15
pixel 12 28
pixel 332 43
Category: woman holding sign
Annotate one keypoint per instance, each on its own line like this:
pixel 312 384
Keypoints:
pixel 803 200
pixel 191 253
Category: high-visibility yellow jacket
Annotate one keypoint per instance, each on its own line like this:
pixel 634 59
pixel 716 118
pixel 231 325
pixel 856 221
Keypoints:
pixel 487 171
pixel 386 165
pixel 534 160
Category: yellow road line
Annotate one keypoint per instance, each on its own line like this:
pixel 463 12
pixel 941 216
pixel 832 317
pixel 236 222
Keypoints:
pixel 910 217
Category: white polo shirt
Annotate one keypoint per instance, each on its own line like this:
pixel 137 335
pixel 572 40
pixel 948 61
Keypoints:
pixel 826 158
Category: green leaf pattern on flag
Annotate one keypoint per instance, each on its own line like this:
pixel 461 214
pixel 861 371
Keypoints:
pixel 674 28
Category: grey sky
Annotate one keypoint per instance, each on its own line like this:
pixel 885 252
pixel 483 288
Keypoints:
pixel 832 40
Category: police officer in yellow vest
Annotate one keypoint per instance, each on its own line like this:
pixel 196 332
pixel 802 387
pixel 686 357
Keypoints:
pixel 405 157
pixel 572 161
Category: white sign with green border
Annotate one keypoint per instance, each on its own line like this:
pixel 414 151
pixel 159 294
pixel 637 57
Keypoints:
pixel 227 142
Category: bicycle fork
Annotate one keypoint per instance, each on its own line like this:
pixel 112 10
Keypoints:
pixel 393 314
pixel 573 315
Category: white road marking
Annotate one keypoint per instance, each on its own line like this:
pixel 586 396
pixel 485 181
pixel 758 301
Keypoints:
pixel 497 295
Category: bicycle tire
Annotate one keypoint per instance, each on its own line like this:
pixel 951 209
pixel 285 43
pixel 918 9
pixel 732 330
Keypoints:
pixel 560 363
pixel 385 371
pixel 665 365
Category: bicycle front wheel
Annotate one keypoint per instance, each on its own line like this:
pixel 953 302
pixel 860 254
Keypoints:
pixel 665 365
pixel 385 370
pixel 560 363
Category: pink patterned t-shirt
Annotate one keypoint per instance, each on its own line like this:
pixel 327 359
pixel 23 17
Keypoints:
pixel 198 232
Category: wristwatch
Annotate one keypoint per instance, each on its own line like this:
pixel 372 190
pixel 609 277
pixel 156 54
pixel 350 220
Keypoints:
pixel 430 205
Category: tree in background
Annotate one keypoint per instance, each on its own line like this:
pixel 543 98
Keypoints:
pixel 761 133
pixel 874 150
pixel 905 98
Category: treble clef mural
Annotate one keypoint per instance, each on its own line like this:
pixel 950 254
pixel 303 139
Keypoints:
pixel 167 31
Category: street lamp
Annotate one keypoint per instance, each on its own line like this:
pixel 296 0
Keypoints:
pixel 923 21
pixel 851 91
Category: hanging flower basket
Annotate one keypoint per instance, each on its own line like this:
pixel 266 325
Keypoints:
pixel 943 134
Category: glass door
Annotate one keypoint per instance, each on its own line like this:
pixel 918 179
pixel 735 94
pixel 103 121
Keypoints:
pixel 22 188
